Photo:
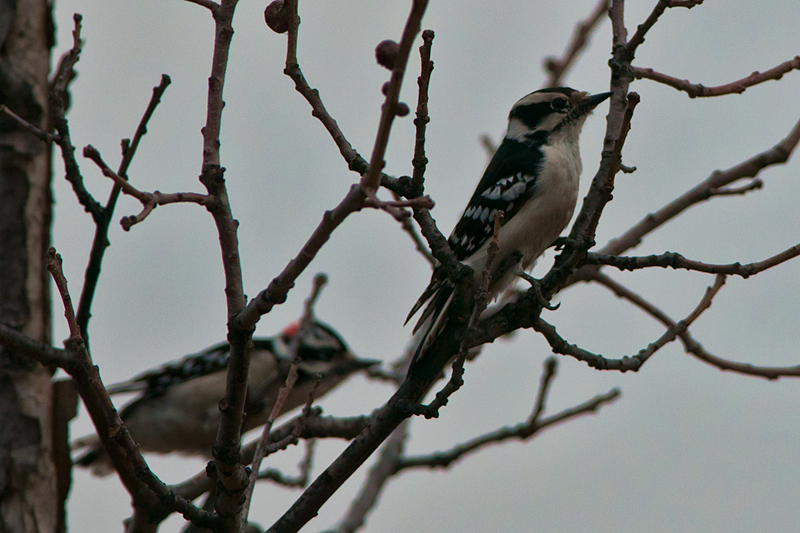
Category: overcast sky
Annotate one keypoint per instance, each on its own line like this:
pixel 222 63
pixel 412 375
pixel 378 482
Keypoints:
pixel 686 448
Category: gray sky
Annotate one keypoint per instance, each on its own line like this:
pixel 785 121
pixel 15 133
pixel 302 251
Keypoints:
pixel 686 448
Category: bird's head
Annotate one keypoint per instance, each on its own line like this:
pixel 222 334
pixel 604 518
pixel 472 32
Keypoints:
pixel 540 114
pixel 323 351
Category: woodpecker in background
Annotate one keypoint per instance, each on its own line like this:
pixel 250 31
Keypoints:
pixel 177 409
pixel 533 179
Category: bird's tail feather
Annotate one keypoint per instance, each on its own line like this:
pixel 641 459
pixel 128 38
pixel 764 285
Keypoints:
pixel 94 458
pixel 432 321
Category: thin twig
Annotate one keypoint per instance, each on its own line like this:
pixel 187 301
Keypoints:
pixel 750 168
pixel 642 29
pixel 557 68
pixel 276 291
pixel 383 469
pixel 370 181
pixel 677 261
pixel 351 156
pixel 308 462
pixel 754 185
pixel 672 333
pixel 423 202
pixel 354 160
pixel 691 345
pixel 122 449
pixel 688 4
pixel 411 231
pixel 54 263
pixel 633 100
pixel 696 90
pixel 149 200
pixel 550 367
pixel 420 161
pixel 230 475
pixel 482 298
pixel 291 378
pixel 101 242
pixel 37 350
pixel 301 480
pixel 523 431
pixel 626 363
pixel 59 102
pixel 46 136
pixel 585 227
pixel 208 4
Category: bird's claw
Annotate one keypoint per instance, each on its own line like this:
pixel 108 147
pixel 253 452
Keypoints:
pixel 537 291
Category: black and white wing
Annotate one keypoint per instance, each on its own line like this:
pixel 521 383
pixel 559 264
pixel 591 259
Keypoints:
pixel 508 182
pixel 155 382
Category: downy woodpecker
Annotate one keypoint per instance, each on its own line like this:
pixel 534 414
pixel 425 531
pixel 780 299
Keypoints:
pixel 533 180
pixel 177 409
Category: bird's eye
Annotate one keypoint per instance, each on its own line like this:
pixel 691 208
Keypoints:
pixel 559 104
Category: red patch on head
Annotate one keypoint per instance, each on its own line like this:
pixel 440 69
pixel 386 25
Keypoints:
pixel 291 330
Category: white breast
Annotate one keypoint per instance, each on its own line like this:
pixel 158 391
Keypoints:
pixel 542 219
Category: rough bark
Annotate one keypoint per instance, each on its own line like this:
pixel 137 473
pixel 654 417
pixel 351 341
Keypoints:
pixel 28 488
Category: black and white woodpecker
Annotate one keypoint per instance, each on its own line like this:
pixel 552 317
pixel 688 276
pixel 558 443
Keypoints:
pixel 177 409
pixel 533 180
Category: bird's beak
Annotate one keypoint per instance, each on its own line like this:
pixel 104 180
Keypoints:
pixel 590 102
pixel 358 364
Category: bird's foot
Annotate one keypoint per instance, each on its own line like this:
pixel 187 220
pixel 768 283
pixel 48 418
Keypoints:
pixel 537 291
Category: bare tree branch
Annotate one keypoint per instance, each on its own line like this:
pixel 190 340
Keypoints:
pixel 100 241
pixel 149 200
pixel 230 474
pixel 411 231
pixel 301 480
pixel 658 10
pixel 208 4
pixel 59 102
pixel 696 90
pixel 688 4
pixel 692 346
pixel 677 261
pixel 482 298
pixel 370 181
pixel 276 292
pixel 776 155
pixel 46 136
pixel 600 193
pixel 357 198
pixel 522 431
pixel 354 160
pixel 380 473
pixel 550 367
pixel 557 68
pixel 291 378
pixel 754 185
pixel 420 161
pixel 351 156
pixel 142 484
pixel 626 363
pixel 313 427
pixel 37 350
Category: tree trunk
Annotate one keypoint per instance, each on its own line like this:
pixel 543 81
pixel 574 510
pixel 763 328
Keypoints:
pixel 28 489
